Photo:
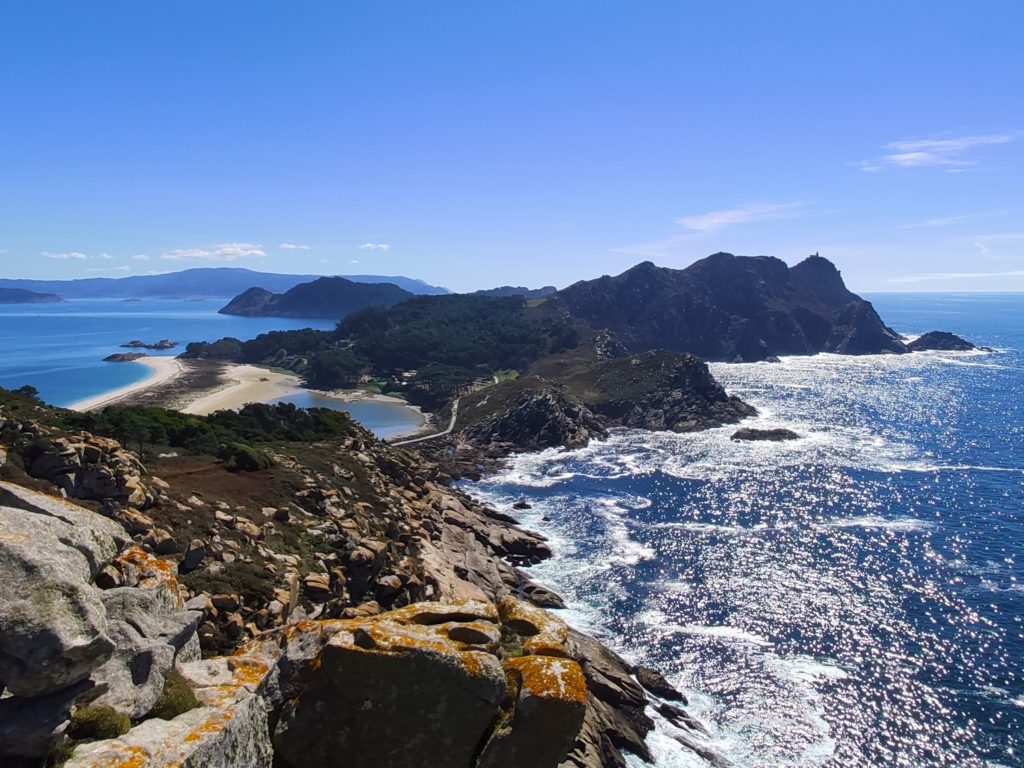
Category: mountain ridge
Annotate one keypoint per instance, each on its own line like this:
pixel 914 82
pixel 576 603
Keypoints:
pixel 732 308
pixel 199 282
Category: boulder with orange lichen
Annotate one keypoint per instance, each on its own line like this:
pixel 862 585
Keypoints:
pixel 392 691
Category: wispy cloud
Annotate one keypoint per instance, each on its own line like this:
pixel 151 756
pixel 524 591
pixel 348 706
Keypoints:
pixel 140 257
pixel 293 247
pixel 716 221
pixel 950 154
pixel 927 276
pixel 949 221
pixel 77 255
pixel 222 252
pixel 122 268
pixel 374 247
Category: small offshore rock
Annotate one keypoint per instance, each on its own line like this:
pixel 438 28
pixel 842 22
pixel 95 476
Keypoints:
pixel 771 435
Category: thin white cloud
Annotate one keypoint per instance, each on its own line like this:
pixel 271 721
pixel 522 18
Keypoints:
pixel 104 256
pixel 948 221
pixel 140 257
pixel 222 252
pixel 77 255
pixel 354 261
pixel 950 154
pixel 293 247
pixel 716 221
pixel 927 276
pixel 375 247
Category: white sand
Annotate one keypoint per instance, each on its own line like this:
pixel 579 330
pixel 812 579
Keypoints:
pixel 244 384
pixel 162 369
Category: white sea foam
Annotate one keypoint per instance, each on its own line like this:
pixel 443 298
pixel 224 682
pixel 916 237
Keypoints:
pixel 872 521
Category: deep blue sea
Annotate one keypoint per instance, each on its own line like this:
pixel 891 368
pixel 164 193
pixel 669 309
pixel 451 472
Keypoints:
pixel 854 598
pixel 59 348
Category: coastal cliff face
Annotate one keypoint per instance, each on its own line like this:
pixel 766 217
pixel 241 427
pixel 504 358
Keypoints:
pixel 731 308
pixel 343 600
pixel 328 297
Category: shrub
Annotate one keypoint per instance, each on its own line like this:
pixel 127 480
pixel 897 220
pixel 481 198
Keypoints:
pixel 244 458
pixel 98 722
pixel 177 697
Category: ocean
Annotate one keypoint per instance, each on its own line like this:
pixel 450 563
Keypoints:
pixel 59 348
pixel 854 598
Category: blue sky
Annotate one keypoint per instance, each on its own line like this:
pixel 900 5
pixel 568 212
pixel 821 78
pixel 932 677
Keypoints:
pixel 473 144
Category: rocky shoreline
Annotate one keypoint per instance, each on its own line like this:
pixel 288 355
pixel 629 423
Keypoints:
pixel 340 546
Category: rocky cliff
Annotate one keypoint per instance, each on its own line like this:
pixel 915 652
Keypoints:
pixel 327 297
pixel 732 308
pixel 345 602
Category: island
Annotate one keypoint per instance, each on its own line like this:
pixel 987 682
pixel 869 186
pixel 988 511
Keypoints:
pixel 22 296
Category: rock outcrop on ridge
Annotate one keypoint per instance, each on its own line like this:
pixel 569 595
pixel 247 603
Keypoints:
pixel 730 308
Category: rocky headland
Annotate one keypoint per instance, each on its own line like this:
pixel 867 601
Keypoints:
pixel 733 308
pixel 292 600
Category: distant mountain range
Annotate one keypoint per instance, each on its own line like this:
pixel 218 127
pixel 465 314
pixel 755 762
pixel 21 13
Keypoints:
pixel 329 298
pixel 22 296
pixel 216 282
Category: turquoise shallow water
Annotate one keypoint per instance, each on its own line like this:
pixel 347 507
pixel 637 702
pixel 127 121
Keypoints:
pixel 59 348
pixel 385 419
pixel 852 599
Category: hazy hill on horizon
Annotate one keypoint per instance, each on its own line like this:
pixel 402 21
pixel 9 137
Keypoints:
pixel 22 296
pixel 200 282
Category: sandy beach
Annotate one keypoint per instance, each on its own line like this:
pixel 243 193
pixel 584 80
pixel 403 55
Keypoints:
pixel 203 387
pixel 163 369
pixel 244 384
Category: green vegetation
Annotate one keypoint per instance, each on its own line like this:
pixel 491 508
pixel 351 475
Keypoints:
pixel 436 384
pixel 176 698
pixel 448 340
pixel 471 332
pixel 336 369
pixel 227 434
pixel 98 722
pixel 244 458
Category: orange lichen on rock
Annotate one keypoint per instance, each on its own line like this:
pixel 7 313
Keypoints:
pixel 546 635
pixel 549 678
pixel 143 570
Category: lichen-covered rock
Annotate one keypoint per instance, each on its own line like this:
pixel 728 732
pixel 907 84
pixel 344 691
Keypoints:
pixel 229 730
pixel 393 691
pixel 550 702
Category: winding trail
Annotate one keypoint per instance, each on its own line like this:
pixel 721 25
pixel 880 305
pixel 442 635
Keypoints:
pixel 451 426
